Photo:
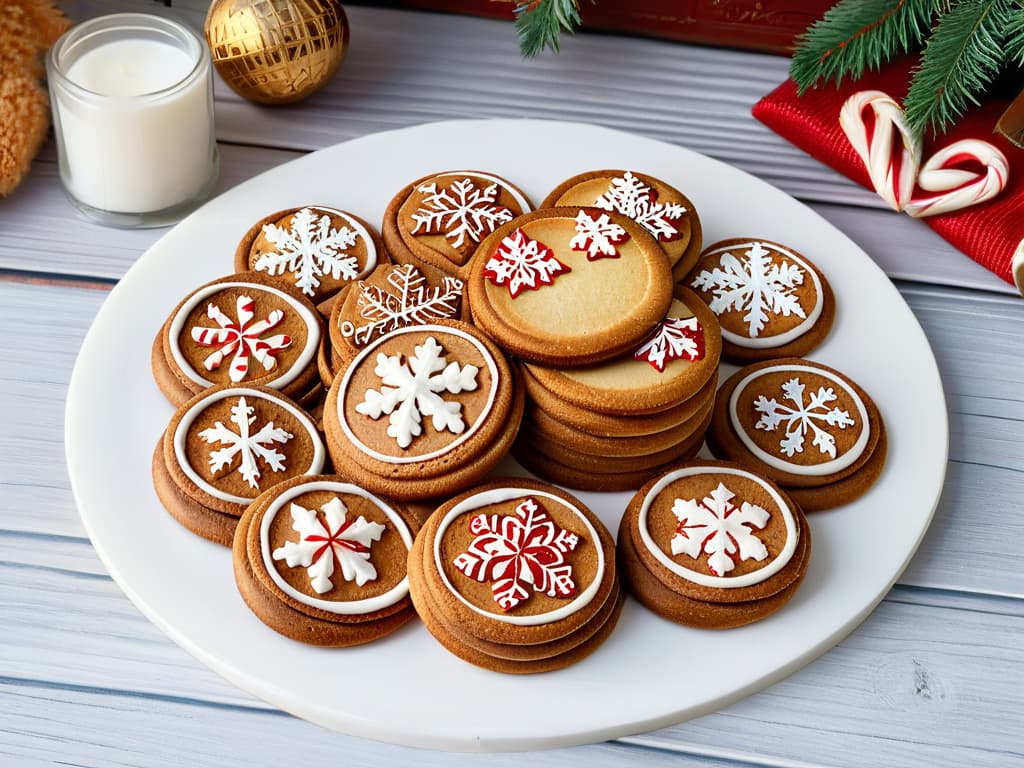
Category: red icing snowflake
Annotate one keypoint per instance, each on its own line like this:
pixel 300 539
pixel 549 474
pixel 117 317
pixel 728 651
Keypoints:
pixel 522 263
pixel 598 237
pixel 240 338
pixel 517 552
pixel 674 338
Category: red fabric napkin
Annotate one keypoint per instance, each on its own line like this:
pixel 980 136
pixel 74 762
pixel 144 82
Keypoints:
pixel 990 232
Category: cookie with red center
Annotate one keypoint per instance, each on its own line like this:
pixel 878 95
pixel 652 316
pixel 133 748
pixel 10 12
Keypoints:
pixel 423 411
pixel 225 447
pixel 437 222
pixel 569 286
pixel 516 576
pixel 315 250
pixel 243 330
pixel 657 206
pixel 323 561
pixel 770 300
pixel 712 544
pixel 808 427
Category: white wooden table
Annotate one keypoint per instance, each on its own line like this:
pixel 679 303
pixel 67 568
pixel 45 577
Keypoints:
pixel 934 676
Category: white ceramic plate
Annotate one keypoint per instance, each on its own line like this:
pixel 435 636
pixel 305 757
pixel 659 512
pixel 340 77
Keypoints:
pixel 407 689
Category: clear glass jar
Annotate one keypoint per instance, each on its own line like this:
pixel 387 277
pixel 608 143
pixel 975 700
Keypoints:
pixel 132 102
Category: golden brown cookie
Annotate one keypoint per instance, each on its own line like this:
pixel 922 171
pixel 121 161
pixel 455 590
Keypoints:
pixel 658 207
pixel 438 221
pixel 516 576
pixel 711 544
pixel 770 301
pixel 424 411
pixel 241 329
pixel 569 286
pixel 314 249
pixel 225 447
pixel 805 425
pixel 323 561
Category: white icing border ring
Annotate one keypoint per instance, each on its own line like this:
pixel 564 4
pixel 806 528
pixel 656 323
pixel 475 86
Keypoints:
pixel 808 470
pixel 703 579
pixel 492 368
pixel 770 342
pixel 316 463
pixel 495 496
pixel 347 607
pixel 520 200
pixel 371 249
pixel 286 377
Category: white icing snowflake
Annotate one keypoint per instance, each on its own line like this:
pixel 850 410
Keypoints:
pixel 674 338
pixel 463 213
pixel 410 390
pixel 519 551
pixel 522 263
pixel 598 237
pixel 321 547
pixel 409 301
pixel 249 447
pixel 802 418
pixel 629 196
pixel 310 248
pixel 719 529
pixel 754 283
pixel 241 338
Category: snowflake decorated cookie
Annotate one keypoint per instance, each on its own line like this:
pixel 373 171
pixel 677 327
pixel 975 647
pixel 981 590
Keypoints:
pixel 440 220
pixel 314 250
pixel 516 576
pixel 770 300
pixel 243 330
pixel 225 447
pixel 323 561
pixel 569 286
pixel 423 411
pixel 712 544
pixel 808 427
pixel 661 209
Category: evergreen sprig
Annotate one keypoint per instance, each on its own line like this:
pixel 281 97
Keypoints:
pixel 541 22
pixel 1015 35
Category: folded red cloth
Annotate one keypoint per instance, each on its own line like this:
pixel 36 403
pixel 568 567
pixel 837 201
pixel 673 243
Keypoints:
pixel 990 232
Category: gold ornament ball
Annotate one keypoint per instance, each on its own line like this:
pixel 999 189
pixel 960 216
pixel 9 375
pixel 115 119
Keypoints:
pixel 277 51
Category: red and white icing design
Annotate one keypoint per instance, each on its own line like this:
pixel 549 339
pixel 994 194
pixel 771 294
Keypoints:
pixel 329 543
pixel 339 554
pixel 241 337
pixel 519 554
pixel 631 197
pixel 674 338
pixel 521 263
pixel 463 211
pixel 715 526
pixel 960 175
pixel 720 526
pixel 581 595
pixel 597 237
pixel 251 447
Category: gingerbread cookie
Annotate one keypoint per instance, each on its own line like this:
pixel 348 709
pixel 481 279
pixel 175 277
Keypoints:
pixel 314 249
pixel 438 221
pixel 243 330
pixel 713 545
pixel 423 411
pixel 805 425
pixel 516 576
pixel 770 301
pixel 323 561
pixel 569 286
pixel 659 208
pixel 225 447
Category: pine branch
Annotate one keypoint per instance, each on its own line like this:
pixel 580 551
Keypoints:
pixel 857 35
pixel 963 55
pixel 540 24
pixel 1015 35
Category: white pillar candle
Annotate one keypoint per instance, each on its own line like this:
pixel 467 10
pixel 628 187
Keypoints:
pixel 132 104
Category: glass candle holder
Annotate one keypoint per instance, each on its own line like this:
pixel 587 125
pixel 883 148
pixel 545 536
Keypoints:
pixel 132 103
